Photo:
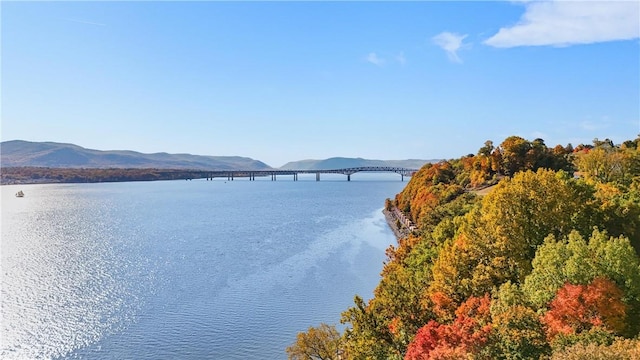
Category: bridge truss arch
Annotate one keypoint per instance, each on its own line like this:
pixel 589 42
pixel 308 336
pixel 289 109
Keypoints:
pixel 251 174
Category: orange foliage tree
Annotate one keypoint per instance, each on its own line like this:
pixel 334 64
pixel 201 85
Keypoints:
pixel 578 308
pixel 467 334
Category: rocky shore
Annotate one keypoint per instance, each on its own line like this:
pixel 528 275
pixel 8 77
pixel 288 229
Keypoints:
pixel 400 230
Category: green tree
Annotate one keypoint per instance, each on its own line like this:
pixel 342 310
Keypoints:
pixel 575 261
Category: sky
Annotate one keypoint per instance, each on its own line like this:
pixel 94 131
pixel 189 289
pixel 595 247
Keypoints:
pixel 281 81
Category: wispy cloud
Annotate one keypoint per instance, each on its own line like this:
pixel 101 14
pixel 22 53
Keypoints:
pixel 85 22
pixel 565 23
pixel 451 43
pixel 401 58
pixel 375 59
pixel 596 123
pixel 590 125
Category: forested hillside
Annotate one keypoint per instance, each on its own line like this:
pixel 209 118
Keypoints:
pixel 18 153
pixel 544 266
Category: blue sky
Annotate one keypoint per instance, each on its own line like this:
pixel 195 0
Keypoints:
pixel 284 81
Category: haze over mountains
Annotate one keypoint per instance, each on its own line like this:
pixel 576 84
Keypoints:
pixel 19 153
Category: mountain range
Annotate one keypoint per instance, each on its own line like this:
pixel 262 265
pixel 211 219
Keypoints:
pixel 19 153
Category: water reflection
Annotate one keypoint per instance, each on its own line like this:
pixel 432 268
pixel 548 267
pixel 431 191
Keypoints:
pixel 183 269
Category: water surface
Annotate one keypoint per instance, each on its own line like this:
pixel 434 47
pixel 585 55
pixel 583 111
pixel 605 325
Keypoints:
pixel 185 269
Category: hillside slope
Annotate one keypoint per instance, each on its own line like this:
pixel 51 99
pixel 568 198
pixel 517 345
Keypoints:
pixel 18 153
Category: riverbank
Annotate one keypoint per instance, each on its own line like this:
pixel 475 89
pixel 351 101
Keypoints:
pixel 38 175
pixel 396 224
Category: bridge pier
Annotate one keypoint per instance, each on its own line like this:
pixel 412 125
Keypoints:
pixel 317 176
pixel 348 177
pixel 402 177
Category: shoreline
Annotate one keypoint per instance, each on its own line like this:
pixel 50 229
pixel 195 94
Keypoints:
pixel 34 175
pixel 392 221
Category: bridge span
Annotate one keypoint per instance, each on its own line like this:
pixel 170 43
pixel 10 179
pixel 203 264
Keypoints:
pixel 251 174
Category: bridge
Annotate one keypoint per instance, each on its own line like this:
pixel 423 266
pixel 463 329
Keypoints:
pixel 251 174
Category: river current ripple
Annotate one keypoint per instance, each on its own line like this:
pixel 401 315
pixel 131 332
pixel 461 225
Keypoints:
pixel 185 269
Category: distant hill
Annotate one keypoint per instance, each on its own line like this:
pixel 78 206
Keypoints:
pixel 18 153
pixel 340 163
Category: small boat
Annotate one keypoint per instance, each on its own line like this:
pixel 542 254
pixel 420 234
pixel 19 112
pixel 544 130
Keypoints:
pixel 20 194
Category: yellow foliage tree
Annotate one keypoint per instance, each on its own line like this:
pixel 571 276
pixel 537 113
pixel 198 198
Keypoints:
pixel 498 240
pixel 318 343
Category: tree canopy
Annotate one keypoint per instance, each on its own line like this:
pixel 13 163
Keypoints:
pixel 546 261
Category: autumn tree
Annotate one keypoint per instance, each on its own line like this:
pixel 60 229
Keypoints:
pixel 487 149
pixel 318 343
pixel 432 186
pixel 498 240
pixel 522 242
pixel 385 325
pixel 368 336
pixel 514 150
pixel 519 334
pixel 608 163
pixel 578 308
pixel 478 169
pixel 620 349
pixel 397 303
pixel 467 334
pixel 562 158
pixel 574 260
pixel 618 210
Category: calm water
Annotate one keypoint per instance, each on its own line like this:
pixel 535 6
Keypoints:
pixel 185 269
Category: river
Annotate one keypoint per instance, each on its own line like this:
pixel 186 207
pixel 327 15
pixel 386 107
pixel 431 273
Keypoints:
pixel 185 269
